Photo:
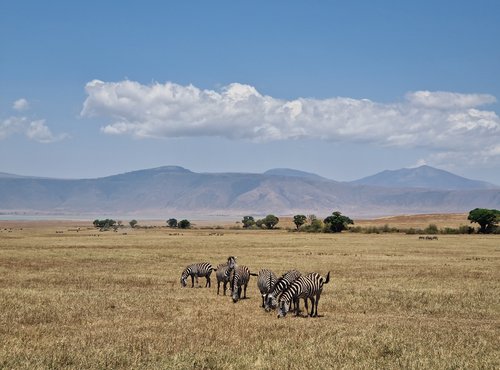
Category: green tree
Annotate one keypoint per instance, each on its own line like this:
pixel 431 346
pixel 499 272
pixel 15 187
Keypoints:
pixel 184 224
pixel 104 224
pixel 248 221
pixel 337 222
pixel 133 223
pixel 172 222
pixel 299 220
pixel 486 218
pixel 270 221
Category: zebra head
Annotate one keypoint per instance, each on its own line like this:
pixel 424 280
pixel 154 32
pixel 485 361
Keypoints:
pixel 231 262
pixel 283 308
pixel 184 278
pixel 236 293
pixel 270 302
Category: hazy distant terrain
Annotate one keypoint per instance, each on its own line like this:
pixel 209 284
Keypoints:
pixel 171 190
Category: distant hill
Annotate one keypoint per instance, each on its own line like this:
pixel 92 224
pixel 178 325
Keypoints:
pixel 423 177
pixel 172 191
pixel 288 172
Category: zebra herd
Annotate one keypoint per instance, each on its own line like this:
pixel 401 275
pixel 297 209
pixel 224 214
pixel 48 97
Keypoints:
pixel 281 293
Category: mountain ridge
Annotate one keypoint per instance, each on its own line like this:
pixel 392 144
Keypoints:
pixel 171 190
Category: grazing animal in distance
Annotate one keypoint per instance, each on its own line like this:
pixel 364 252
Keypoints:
pixel 223 273
pixel 307 287
pixel 196 270
pixel 271 300
pixel 266 280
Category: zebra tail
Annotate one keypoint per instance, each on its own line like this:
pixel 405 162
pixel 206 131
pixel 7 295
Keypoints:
pixel 254 274
pixel 327 278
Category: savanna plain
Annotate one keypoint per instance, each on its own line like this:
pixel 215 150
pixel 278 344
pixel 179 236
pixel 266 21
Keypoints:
pixel 75 298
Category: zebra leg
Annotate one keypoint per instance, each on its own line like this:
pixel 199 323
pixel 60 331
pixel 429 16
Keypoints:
pixel 192 281
pixel 245 291
pixel 312 308
pixel 306 305
pixel 224 286
pixel 218 287
pixel 316 309
pixel 209 284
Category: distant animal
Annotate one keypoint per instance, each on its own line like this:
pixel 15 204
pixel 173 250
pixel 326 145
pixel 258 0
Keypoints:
pixel 306 287
pixel 223 273
pixel 271 300
pixel 241 277
pixel 265 282
pixel 196 270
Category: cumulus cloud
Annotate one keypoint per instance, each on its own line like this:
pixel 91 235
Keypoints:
pixel 444 122
pixel 20 105
pixel 34 130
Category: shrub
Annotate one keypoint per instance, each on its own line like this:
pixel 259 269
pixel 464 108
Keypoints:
pixel 184 224
pixel 431 229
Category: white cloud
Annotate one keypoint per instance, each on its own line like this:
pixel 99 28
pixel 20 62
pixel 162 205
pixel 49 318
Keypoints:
pixel 448 100
pixel 34 130
pixel 443 122
pixel 20 105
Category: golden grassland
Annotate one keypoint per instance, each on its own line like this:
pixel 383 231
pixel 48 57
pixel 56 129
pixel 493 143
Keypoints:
pixel 94 300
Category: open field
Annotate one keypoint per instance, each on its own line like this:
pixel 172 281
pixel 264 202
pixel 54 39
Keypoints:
pixel 93 300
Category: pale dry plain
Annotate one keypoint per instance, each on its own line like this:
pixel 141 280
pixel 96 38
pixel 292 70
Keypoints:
pixel 95 300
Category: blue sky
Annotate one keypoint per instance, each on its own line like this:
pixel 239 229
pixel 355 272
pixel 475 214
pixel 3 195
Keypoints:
pixel 342 89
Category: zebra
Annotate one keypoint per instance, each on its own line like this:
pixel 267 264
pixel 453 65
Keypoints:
pixel 271 299
pixel 223 273
pixel 197 270
pixel 241 276
pixel 310 287
pixel 265 282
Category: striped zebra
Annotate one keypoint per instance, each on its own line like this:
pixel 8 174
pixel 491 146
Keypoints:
pixel 196 270
pixel 241 277
pixel 306 287
pixel 223 273
pixel 265 282
pixel 271 300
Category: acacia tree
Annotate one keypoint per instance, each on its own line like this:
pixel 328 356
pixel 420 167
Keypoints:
pixel 299 220
pixel 248 221
pixel 486 218
pixel 184 224
pixel 172 222
pixel 270 221
pixel 337 222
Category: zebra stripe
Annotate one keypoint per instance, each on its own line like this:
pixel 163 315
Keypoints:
pixel 306 287
pixel 196 270
pixel 241 277
pixel 265 282
pixel 271 301
pixel 223 273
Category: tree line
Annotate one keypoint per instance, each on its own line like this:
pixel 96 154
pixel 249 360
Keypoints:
pixel 487 219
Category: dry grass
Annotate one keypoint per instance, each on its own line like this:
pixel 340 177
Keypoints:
pixel 80 301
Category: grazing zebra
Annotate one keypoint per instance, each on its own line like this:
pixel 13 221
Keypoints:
pixel 310 287
pixel 241 276
pixel 271 300
pixel 197 270
pixel 265 282
pixel 223 273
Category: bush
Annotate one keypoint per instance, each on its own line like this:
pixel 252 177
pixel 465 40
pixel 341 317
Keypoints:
pixel 316 226
pixel 431 229
pixel 104 225
pixel 184 224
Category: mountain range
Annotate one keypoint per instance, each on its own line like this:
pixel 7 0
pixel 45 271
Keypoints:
pixel 173 191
